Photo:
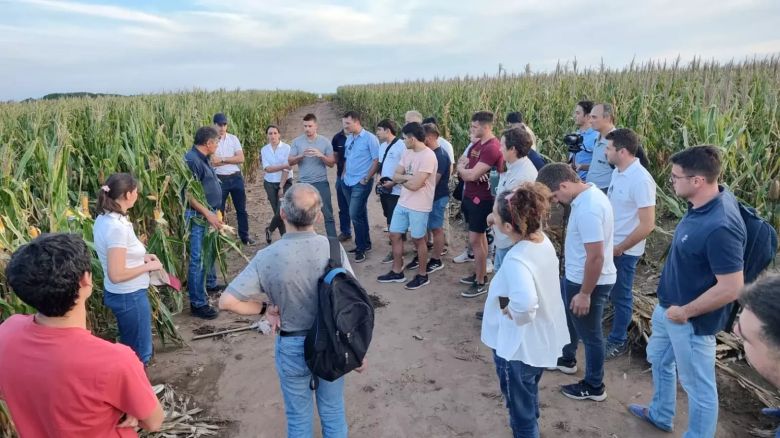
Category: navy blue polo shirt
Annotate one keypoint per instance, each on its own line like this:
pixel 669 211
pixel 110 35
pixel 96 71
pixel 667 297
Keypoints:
pixel 203 172
pixel 443 187
pixel 338 143
pixel 536 158
pixel 709 240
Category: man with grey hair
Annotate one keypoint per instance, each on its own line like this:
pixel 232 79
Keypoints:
pixel 602 119
pixel 288 271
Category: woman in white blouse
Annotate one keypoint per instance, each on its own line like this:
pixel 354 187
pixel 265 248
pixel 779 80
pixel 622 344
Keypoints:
pixel 524 318
pixel 126 265
pixel 278 176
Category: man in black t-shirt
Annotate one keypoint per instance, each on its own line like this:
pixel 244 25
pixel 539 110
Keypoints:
pixel 441 197
pixel 345 224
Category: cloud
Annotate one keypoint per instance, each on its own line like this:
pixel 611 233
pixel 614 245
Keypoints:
pixel 100 11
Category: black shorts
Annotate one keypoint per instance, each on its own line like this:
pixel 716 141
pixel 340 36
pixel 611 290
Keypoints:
pixel 476 214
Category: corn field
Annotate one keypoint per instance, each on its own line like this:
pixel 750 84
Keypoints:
pixel 56 154
pixel 671 106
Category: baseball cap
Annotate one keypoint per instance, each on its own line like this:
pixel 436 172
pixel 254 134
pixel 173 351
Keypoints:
pixel 220 118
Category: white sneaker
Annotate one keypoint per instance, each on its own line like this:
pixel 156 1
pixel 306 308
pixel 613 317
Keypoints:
pixel 385 229
pixel 463 257
pixel 489 266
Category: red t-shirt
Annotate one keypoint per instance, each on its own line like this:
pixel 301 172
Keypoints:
pixel 489 153
pixel 65 382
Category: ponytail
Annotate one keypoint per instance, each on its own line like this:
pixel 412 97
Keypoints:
pixel 115 187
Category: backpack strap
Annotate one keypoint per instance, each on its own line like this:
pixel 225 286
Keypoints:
pixel 387 151
pixel 335 253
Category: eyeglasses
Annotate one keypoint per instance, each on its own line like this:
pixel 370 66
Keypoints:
pixel 673 178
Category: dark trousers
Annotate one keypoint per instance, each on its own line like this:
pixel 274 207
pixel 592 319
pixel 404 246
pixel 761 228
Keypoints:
pixel 388 205
pixel 234 186
pixel 272 191
pixel 345 224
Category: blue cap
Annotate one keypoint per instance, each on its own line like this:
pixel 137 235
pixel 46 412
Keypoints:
pixel 220 118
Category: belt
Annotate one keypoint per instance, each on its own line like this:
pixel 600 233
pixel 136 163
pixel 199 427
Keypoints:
pixel 295 333
pixel 232 175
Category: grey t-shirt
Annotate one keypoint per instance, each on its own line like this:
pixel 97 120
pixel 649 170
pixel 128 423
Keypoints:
pixel 311 169
pixel 600 172
pixel 288 271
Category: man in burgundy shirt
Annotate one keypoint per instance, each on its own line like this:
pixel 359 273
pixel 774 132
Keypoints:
pixel 484 155
pixel 57 379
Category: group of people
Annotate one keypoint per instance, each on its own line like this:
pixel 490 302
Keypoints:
pixel 532 318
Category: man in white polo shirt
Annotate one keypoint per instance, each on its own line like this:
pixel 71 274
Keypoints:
pixel 632 195
pixel 590 274
pixel 226 162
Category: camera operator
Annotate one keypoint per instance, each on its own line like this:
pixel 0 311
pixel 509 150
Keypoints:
pixel 580 160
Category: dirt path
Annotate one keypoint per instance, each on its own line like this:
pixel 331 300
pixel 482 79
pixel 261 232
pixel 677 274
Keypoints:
pixel 441 386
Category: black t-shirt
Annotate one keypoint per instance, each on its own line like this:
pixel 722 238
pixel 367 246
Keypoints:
pixel 338 143
pixel 443 187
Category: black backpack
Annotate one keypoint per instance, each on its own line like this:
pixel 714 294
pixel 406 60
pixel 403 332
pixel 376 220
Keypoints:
pixel 338 341
pixel 760 250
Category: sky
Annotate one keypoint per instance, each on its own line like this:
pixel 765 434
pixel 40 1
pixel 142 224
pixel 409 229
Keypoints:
pixel 148 46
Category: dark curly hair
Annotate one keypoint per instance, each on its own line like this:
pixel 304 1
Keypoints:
pixel 526 209
pixel 45 272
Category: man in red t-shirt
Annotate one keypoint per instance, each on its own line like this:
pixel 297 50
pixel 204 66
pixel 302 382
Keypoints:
pixel 484 155
pixel 57 379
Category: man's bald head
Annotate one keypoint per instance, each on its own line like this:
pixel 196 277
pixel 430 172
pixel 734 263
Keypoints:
pixel 301 205
pixel 413 116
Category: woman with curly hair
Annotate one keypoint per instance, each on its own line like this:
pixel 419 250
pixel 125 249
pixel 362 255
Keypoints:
pixel 524 319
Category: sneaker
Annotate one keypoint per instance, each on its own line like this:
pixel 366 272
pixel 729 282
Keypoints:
pixel 479 315
pixel 344 237
pixel 418 282
pixel 215 289
pixel 388 258
pixel 249 242
pixel 392 277
pixel 463 257
pixel 469 280
pixel 643 412
pixel 360 257
pixel 433 266
pixel 414 264
pixel 354 250
pixel 475 290
pixel 489 266
pixel 385 230
pixel 204 312
pixel 564 366
pixel 582 391
pixel 613 350
pixel 268 236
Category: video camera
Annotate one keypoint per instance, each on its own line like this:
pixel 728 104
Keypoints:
pixel 574 142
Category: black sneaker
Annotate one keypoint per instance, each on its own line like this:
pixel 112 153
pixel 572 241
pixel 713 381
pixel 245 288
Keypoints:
pixel 564 366
pixel 479 315
pixel 215 289
pixel 470 279
pixel 354 250
pixel 204 312
pixel 418 282
pixel 613 350
pixel 414 264
pixel 249 242
pixel 392 277
pixel 344 237
pixel 433 266
pixel 268 236
pixel 583 391
pixel 360 257
pixel 475 290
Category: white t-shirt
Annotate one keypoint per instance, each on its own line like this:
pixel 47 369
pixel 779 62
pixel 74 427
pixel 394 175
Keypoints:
pixel 227 148
pixel 522 170
pixel 269 157
pixel 590 221
pixel 629 191
pixel 113 230
pixel 537 331
pixel 391 161
pixel 447 146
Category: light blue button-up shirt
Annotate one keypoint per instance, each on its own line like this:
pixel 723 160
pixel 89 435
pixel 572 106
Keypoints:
pixel 589 138
pixel 360 151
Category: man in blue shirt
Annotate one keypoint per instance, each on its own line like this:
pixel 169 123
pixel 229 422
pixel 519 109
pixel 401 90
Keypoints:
pixel 362 155
pixel 581 160
pixel 200 217
pixel 701 276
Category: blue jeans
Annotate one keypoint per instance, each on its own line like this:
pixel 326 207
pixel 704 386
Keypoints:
pixel 622 298
pixel 499 258
pixel 197 271
pixel 294 377
pixel 520 385
pixel 345 226
pixel 587 328
pixel 234 186
pixel 327 208
pixel 134 320
pixel 357 198
pixel 674 349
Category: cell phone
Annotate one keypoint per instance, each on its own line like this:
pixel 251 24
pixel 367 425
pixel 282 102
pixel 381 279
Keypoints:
pixel 503 302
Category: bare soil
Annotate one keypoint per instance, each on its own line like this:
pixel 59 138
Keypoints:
pixel 429 374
